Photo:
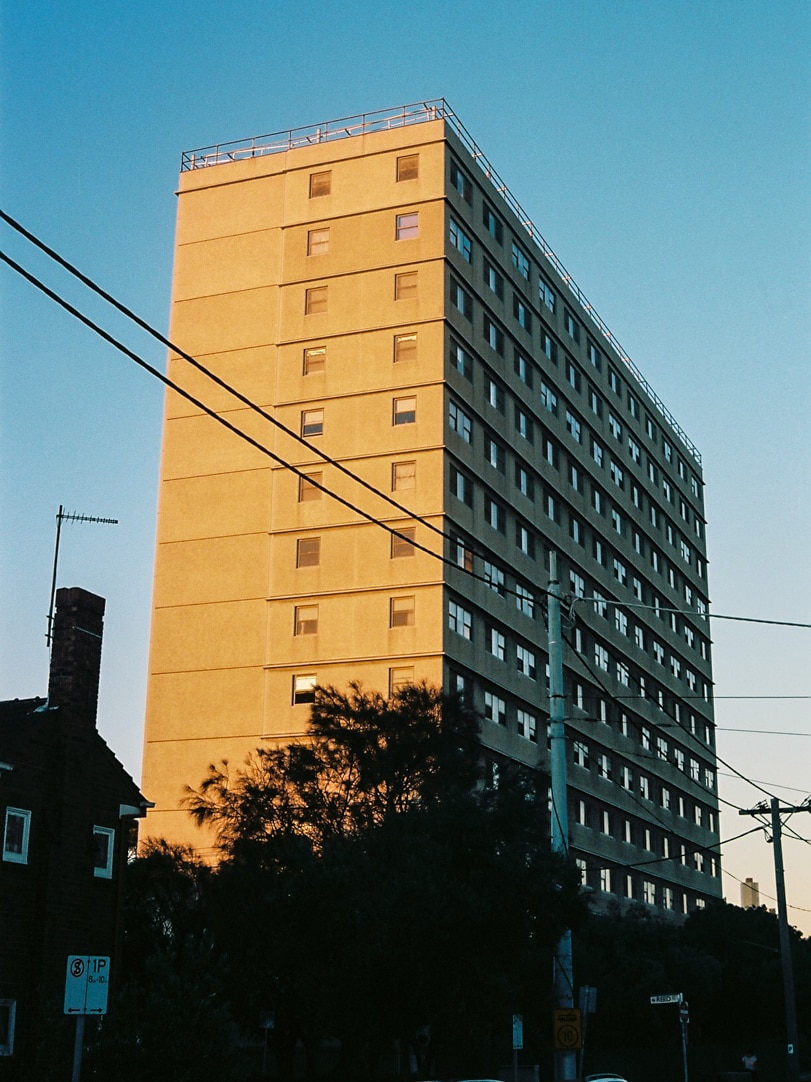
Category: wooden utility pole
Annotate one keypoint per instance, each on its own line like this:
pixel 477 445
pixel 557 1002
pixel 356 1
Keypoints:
pixel 792 1048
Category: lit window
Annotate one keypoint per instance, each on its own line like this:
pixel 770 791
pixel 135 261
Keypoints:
pixel 405 286
pixel 308 487
pixel 306 620
pixel 315 360
pixel 308 552
pixel 405 347
pixel 634 451
pixel 460 620
pixel 401 612
pixel 315 300
pixel 320 183
pixel 312 423
pixel 408 167
pixel 402 542
pixel 404 410
pixel 304 689
pixel 103 852
pixel 461 241
pixel 620 571
pixel 407 226
pixel 16 834
pixel 318 241
pixel 621 621
pixel 403 476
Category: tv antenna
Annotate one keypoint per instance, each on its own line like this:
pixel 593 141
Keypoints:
pixel 67 516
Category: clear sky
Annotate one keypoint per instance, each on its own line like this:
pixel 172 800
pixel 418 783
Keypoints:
pixel 661 146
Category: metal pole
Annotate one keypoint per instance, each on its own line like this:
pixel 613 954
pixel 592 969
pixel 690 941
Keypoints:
pixel 792 1051
pixel 49 633
pixel 78 1045
pixel 565 1060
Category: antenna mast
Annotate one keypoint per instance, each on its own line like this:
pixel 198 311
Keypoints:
pixel 66 516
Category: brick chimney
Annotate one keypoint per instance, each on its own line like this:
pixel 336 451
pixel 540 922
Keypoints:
pixel 76 652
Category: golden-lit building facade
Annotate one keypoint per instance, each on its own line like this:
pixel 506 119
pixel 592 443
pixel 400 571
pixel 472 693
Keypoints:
pixel 433 408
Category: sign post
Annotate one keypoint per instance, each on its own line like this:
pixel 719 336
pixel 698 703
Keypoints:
pixel 86 982
pixel 518 1042
pixel 684 1020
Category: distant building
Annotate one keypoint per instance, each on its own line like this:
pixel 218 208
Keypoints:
pixel 67 806
pixel 750 893
pixel 373 285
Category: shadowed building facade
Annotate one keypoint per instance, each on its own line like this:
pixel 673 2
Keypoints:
pixel 374 287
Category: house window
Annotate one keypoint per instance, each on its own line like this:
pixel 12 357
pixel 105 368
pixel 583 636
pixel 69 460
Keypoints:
pixel 16 834
pixel 320 183
pixel 407 226
pixel 402 542
pixel 405 286
pixel 408 167
pixel 492 223
pixel 461 182
pixel 318 241
pixel 315 360
pixel 461 241
pixel 401 612
pixel 403 476
pixel 460 620
pixel 103 852
pixel 461 300
pixel 520 260
pixel 459 422
pixel 495 708
pixel 462 361
pixel 308 487
pixel 315 300
pixel 8 1018
pixel 308 552
pixel 546 294
pixel 303 689
pixel 404 410
pixel 312 423
pixel 405 347
pixel 306 620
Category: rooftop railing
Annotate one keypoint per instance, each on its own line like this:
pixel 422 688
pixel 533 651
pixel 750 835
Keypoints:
pixel 420 113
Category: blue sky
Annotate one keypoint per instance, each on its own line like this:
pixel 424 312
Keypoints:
pixel 661 147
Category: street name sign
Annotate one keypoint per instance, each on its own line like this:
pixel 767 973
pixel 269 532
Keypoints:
pixel 675 997
pixel 86 982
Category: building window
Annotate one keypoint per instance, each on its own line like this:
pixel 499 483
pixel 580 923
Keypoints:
pixel 644 787
pixel 306 620
pixel 617 476
pixel 494 336
pixel 402 542
pixel 303 689
pixel 615 426
pixel 308 487
pixel 408 167
pixel 525 600
pixel 523 424
pixel 520 260
pixel 573 425
pixel 551 507
pixel 318 241
pixel 462 361
pixel 460 620
pixel 572 326
pixel 405 347
pixel 620 571
pixel 401 612
pixel 577 583
pixel 522 314
pixel 8 1018
pixel 493 280
pixel 315 360
pixel 320 183
pixel 495 708
pixel 312 423
pixel 549 347
pixel 573 375
pixel 308 552
pixel 405 286
pixel 601 657
pixel 492 223
pixel 634 451
pixel 461 241
pixel 523 369
pixel 524 481
pixel 103 852
pixel 495 514
pixel 580 752
pixel 404 410
pixel 461 300
pixel 525 662
pixel 461 182
pixel 403 476
pixel 400 677
pixel 495 453
pixel 315 300
pixel 527 725
pixel 495 395
pixel 407 226
pixel 549 400
pixel 496 643
pixel 494 577
pixel 459 422
pixel 595 356
pixel 16 834
pixel 546 294
pixel 525 539
pixel 461 486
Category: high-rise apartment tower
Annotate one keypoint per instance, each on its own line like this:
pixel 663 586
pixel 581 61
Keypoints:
pixel 373 286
